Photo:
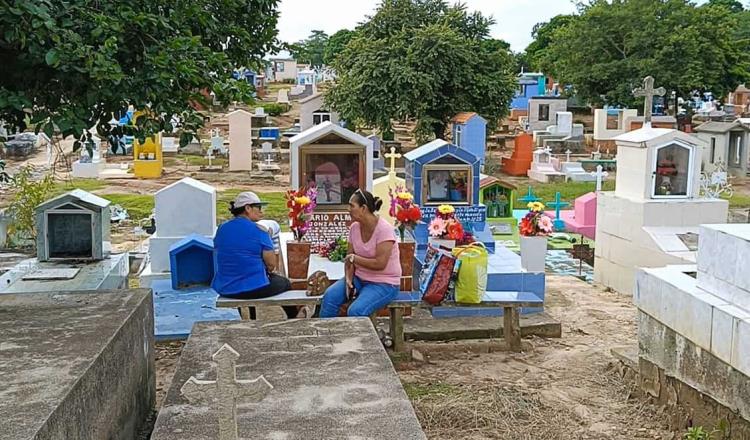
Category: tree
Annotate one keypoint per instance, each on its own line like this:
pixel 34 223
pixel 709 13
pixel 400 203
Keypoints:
pixel 310 50
pixel 422 60
pixel 543 34
pixel 336 44
pixel 609 47
pixel 70 65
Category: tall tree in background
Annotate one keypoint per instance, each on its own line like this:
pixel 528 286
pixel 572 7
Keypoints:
pixel 71 65
pixel 311 50
pixel 606 50
pixel 336 44
pixel 422 60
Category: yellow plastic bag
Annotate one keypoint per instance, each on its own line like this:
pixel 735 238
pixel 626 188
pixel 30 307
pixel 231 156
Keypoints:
pixel 471 282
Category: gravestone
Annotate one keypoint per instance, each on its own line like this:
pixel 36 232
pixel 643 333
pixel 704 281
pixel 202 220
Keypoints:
pixel 268 164
pixel 337 162
pixel 76 365
pixel 330 379
pixel 74 225
pixel 183 208
pixel 542 169
pixel 240 141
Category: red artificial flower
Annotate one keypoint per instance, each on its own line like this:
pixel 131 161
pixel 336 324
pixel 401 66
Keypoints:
pixel 455 231
pixel 526 227
pixel 414 214
pixel 402 215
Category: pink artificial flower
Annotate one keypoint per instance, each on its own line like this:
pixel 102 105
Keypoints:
pixel 545 224
pixel 437 227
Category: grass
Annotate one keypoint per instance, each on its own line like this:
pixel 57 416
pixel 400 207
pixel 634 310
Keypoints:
pixel 89 185
pixel 738 200
pixel 139 206
pixel 417 391
pixel 275 210
pixel 569 191
pixel 194 160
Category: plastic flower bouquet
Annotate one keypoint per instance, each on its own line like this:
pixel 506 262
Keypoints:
pixel 404 210
pixel 301 204
pixel 446 226
pixel 535 222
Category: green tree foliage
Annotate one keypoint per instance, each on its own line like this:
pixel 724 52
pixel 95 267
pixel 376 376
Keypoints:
pixel 310 50
pixel 336 44
pixel 610 46
pixel 29 192
pixel 70 64
pixel 422 60
pixel 542 34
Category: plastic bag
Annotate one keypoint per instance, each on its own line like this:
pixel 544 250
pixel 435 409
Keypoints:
pixel 437 274
pixel 471 283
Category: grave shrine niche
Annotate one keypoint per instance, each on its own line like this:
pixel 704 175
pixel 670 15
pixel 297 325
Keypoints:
pixel 73 226
pixel 336 162
pixel 672 171
pixel 447 180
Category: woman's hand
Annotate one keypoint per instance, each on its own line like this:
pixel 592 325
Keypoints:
pixel 349 274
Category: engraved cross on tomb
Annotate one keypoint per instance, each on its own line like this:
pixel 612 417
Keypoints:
pixel 226 390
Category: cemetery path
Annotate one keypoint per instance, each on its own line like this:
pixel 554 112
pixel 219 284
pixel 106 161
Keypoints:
pixel 566 388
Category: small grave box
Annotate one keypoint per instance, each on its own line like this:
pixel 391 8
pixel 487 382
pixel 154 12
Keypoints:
pixel 73 226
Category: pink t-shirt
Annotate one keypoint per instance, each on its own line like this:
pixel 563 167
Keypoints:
pixel 383 232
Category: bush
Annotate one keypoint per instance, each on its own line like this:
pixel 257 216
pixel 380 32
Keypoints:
pixel 28 194
pixel 289 81
pixel 274 109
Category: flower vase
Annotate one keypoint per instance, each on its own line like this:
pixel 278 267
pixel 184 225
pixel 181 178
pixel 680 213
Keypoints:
pixel 533 253
pixel 298 260
pixel 406 257
pixel 442 242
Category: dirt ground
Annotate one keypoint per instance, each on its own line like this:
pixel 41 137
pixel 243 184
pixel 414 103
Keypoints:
pixel 566 388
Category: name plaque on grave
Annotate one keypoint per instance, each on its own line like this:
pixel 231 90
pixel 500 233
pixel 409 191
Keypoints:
pixel 465 214
pixel 327 227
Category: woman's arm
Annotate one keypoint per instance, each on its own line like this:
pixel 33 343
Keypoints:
pixel 270 259
pixel 382 255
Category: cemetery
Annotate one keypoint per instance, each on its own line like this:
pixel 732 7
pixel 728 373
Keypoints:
pixel 561 262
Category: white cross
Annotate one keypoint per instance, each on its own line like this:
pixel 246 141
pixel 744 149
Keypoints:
pixel 600 175
pixel 649 92
pixel 210 156
pixel 392 156
pixel 226 389
pixel 567 155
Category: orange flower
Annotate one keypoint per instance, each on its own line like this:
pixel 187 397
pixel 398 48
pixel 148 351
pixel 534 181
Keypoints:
pixel 455 231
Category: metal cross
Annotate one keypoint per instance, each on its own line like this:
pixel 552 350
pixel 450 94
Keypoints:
pixel 649 92
pixel 226 390
pixel 392 156
pixel 557 204
pixel 600 175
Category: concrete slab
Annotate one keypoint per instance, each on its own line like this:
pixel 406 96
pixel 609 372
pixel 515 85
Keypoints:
pixel 331 379
pixel 110 273
pixel 76 365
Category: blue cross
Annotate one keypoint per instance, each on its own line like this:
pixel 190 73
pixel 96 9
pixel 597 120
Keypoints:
pixel 530 197
pixel 557 204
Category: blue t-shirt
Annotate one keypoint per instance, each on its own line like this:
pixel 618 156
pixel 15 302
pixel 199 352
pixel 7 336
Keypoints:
pixel 239 246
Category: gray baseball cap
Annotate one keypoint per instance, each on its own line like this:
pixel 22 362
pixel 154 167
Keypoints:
pixel 247 198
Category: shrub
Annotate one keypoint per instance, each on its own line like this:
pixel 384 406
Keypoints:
pixel 29 193
pixel 274 109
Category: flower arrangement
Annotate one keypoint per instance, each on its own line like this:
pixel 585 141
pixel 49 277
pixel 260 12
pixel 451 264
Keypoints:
pixel 445 225
pixel 404 210
pixel 301 204
pixel 335 250
pixel 535 222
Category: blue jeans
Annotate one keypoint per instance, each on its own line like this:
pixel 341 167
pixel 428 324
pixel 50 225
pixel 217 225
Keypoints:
pixel 371 297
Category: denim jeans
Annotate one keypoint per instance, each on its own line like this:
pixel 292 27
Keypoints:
pixel 371 297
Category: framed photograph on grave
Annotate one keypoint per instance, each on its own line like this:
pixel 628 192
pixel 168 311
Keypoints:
pixel 446 184
pixel 336 173
pixel 671 173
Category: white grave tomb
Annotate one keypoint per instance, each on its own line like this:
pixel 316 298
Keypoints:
pixel 169 145
pixel 656 199
pixel 183 208
pixel 240 141
pixel 267 165
pixel 87 166
pixel 542 169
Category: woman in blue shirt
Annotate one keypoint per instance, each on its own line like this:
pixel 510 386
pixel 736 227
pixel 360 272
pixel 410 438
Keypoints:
pixel 245 257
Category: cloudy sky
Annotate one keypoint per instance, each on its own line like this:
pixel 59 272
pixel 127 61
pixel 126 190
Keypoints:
pixel 515 18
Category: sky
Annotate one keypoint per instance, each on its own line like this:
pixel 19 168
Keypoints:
pixel 515 18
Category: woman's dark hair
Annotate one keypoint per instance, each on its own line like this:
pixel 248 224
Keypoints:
pixel 236 211
pixel 366 198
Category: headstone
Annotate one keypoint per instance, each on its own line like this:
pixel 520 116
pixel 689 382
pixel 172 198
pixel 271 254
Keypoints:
pixel 599 175
pixel 383 185
pixel 217 143
pixel 59 346
pixel 196 204
pixel 268 164
pixel 283 97
pixel 326 401
pixel 148 159
pixel 337 162
pixel 240 141
pixel 73 226
pixel 582 219
pixel 169 144
pixel 520 161
pixel 542 169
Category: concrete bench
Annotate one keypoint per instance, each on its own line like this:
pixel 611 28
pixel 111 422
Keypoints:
pixel 511 302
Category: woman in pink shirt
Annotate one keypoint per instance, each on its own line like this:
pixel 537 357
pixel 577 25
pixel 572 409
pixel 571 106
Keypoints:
pixel 372 266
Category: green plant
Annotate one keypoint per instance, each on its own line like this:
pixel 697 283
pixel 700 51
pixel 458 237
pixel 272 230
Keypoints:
pixel 29 193
pixel 699 433
pixel 274 109
pixel 335 250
